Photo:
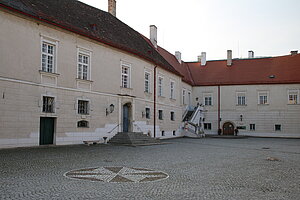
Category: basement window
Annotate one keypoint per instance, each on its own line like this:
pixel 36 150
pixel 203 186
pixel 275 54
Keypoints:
pixel 207 126
pixel 277 127
pixel 83 124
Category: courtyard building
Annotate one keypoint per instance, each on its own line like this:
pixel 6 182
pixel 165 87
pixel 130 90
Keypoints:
pixel 71 72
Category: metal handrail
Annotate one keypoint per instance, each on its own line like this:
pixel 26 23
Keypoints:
pixel 114 128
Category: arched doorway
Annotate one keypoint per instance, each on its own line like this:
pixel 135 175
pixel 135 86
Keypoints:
pixel 228 128
pixel 126 117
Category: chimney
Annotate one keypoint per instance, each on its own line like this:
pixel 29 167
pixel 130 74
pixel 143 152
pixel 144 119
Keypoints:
pixel 203 58
pixel 229 57
pixel 153 35
pixel 294 53
pixel 199 58
pixel 112 7
pixel 250 54
pixel 178 56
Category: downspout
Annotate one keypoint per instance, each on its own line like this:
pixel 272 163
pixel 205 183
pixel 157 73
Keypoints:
pixel 154 113
pixel 219 109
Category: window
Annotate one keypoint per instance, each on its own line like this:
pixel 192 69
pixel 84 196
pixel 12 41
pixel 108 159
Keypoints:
pixel 83 107
pixel 83 66
pixel 277 127
pixel 147 82
pixel 172 87
pixel 174 133
pixel 183 97
pixel 160 114
pixel 207 126
pixel 293 97
pixel 48 104
pixel 48 57
pixel 162 133
pixel 147 113
pixel 241 99
pixel 263 98
pixel 252 127
pixel 160 86
pixel 125 75
pixel 82 124
pixel 172 116
pixel 189 98
pixel 208 100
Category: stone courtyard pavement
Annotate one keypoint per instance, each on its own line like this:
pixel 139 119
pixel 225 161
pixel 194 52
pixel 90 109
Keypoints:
pixel 210 168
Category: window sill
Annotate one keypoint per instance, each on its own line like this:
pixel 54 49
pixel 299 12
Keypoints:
pixel 241 105
pixel 172 99
pixel 49 73
pixel 290 104
pixel 126 88
pixel 83 80
pixel 162 97
pixel 148 93
pixel 263 104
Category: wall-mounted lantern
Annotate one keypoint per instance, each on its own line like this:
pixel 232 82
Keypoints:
pixel 241 117
pixel 110 109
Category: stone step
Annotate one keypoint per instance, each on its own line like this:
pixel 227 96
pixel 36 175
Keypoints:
pixel 133 138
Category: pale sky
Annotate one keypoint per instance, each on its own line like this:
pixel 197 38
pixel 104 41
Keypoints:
pixel 268 27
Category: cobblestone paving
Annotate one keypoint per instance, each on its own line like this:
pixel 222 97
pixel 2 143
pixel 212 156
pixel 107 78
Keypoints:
pixel 207 168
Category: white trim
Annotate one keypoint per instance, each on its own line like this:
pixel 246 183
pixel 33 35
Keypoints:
pixel 173 97
pixel 53 42
pixel 128 65
pixel 83 98
pixel 162 86
pixel 208 94
pixel 86 52
pixel 149 81
pixel 260 93
pixel 293 91
pixel 48 94
pixel 242 93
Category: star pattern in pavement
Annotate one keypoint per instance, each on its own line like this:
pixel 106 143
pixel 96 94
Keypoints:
pixel 117 174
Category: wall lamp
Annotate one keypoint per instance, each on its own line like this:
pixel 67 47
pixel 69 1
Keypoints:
pixel 241 117
pixel 110 109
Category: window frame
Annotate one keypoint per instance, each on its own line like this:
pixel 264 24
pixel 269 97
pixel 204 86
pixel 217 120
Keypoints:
pixel 172 115
pixel 147 82
pixel 241 102
pixel 88 110
pixel 207 126
pixel 88 54
pixel 128 75
pixel 276 127
pixel 294 93
pixel 208 95
pixel 160 114
pixel 252 127
pixel 50 42
pixel 265 101
pixel 53 105
pixel 183 96
pixel 148 115
pixel 160 86
pixel 172 89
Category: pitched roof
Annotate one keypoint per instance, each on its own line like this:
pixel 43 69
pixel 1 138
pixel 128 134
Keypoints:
pixel 272 70
pixel 182 67
pixel 90 22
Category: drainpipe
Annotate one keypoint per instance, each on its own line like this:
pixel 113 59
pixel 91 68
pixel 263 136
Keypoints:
pixel 219 108
pixel 154 113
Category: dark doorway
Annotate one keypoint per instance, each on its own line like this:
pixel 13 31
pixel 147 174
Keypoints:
pixel 46 130
pixel 126 117
pixel 228 128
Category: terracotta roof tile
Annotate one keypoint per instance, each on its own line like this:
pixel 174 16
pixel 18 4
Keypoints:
pixel 285 69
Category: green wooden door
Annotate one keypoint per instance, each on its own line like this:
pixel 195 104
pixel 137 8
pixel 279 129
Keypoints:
pixel 46 130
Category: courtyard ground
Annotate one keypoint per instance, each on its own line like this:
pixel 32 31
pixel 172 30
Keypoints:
pixel 210 168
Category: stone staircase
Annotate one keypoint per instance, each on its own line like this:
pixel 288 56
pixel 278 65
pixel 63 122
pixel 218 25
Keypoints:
pixel 133 139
